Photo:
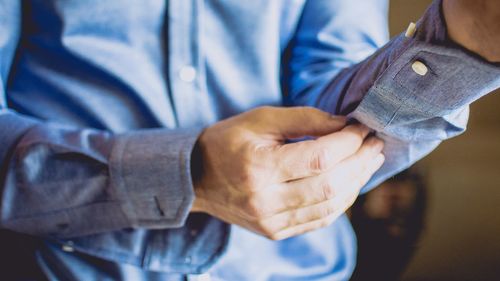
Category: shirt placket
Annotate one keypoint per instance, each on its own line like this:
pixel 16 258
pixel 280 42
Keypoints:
pixel 186 67
pixel 186 76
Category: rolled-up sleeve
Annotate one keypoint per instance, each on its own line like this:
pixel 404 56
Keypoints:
pixel 414 91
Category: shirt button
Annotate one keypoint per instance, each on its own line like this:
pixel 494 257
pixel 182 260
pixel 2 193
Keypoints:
pixel 187 74
pixel 420 68
pixel 199 277
pixel 68 247
pixel 410 31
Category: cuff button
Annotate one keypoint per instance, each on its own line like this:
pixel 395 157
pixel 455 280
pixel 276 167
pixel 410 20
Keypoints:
pixel 420 68
pixel 68 247
pixel 410 31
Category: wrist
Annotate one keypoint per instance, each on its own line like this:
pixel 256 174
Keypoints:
pixel 196 176
pixel 198 205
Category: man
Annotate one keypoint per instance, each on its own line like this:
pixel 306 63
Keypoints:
pixel 107 198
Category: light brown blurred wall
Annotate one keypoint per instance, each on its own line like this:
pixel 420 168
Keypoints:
pixel 462 238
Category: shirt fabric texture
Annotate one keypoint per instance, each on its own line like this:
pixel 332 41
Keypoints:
pixel 101 103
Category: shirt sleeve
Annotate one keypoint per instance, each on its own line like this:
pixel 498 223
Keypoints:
pixel 414 91
pixel 65 182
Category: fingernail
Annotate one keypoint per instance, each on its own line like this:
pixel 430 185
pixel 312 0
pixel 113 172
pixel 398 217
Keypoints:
pixel 375 144
pixel 362 129
pixel 378 145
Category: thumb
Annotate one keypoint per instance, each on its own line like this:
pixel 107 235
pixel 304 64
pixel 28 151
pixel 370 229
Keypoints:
pixel 296 122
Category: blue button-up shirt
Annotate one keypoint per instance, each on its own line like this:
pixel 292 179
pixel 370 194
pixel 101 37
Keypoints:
pixel 101 103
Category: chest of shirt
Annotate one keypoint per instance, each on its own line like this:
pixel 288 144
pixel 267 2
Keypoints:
pixel 190 62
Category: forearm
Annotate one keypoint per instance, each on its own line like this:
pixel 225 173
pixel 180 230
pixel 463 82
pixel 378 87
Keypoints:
pixel 436 106
pixel 433 43
pixel 475 24
pixel 412 109
pixel 66 182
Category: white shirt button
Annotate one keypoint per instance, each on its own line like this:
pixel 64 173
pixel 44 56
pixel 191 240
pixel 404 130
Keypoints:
pixel 187 73
pixel 68 247
pixel 420 68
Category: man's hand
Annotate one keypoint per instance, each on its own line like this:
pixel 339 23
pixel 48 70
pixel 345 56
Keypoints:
pixel 475 24
pixel 252 178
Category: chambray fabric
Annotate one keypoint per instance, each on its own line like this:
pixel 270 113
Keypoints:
pixel 98 119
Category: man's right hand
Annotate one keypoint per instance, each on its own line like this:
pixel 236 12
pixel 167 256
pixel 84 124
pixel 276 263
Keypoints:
pixel 251 177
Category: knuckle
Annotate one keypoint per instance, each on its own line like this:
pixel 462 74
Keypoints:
pixel 248 177
pixel 274 237
pixel 293 219
pixel 319 160
pixel 330 209
pixel 321 212
pixel 260 226
pixel 264 111
pixel 296 201
pixel 251 174
pixel 354 138
pixel 327 221
pixel 324 211
pixel 253 208
pixel 328 191
pixel 324 223
pixel 265 229
pixel 360 130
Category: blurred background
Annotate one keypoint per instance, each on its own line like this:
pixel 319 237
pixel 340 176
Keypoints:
pixel 461 240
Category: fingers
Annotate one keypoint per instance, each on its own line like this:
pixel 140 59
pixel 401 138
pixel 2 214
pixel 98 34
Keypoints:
pixel 308 158
pixel 296 222
pixel 245 164
pixel 332 214
pixel 309 206
pixel 360 166
pixel 296 122
pixel 290 220
pixel 352 173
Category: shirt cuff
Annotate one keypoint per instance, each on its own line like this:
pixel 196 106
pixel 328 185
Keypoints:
pixel 150 171
pixel 427 76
